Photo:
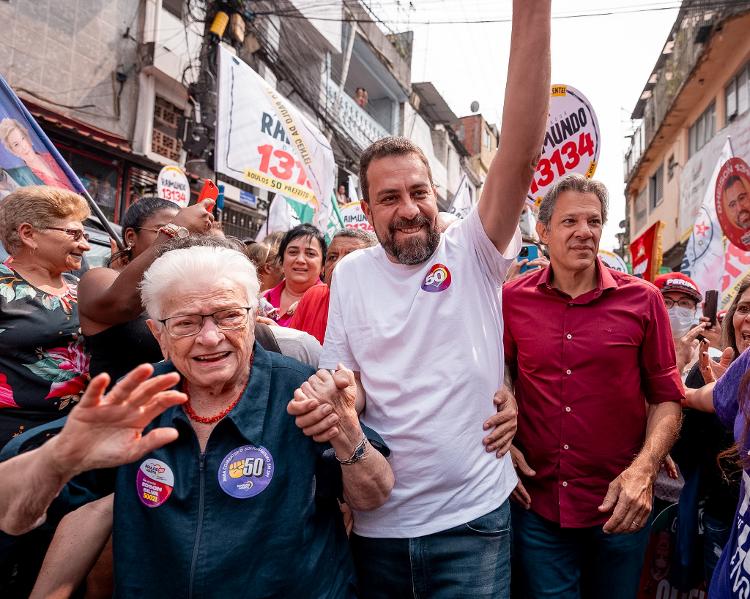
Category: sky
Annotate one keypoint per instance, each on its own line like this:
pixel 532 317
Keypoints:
pixel 608 58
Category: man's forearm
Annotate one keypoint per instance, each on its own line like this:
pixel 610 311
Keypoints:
pixel 524 121
pixel 29 485
pixel 662 430
pixel 369 481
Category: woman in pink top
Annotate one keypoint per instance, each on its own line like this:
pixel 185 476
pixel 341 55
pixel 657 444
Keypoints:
pixel 302 253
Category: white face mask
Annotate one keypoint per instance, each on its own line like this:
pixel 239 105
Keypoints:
pixel 681 319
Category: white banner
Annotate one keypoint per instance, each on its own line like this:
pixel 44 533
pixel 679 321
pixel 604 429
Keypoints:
pixel 353 217
pixel 462 201
pixel 696 174
pixel 704 254
pixel 172 184
pixel 264 140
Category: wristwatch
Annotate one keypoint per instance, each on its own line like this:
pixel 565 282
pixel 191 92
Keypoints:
pixel 172 230
pixel 359 453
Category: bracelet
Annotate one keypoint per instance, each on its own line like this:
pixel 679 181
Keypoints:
pixel 359 453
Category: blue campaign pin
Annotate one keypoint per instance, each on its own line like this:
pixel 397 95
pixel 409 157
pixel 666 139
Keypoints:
pixel 246 471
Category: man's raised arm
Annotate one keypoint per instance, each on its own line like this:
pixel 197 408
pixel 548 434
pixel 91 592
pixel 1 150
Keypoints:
pixel 524 121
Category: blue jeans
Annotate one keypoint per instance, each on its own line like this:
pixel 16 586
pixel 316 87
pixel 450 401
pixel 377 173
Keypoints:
pixel 715 536
pixel 469 560
pixel 574 563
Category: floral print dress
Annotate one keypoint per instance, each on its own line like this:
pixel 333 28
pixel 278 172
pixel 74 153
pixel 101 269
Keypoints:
pixel 43 366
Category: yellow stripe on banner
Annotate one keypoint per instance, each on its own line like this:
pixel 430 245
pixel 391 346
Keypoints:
pixel 299 144
pixel 591 170
pixel 559 90
pixel 291 190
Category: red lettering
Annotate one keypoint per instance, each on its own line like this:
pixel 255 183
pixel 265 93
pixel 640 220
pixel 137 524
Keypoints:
pixel 265 153
pixel 585 144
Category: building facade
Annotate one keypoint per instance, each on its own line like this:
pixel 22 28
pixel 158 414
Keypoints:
pixel 697 97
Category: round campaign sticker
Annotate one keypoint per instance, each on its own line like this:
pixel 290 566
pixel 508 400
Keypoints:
pixel 154 482
pixel 571 143
pixel 732 196
pixel 438 279
pixel 246 471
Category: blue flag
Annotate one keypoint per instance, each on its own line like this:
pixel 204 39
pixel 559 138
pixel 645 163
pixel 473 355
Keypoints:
pixel 27 156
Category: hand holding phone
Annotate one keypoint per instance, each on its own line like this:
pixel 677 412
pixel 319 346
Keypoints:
pixel 528 252
pixel 209 192
pixel 710 305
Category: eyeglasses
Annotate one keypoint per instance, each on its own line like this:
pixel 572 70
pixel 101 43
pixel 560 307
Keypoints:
pixel 187 325
pixel 682 303
pixel 76 234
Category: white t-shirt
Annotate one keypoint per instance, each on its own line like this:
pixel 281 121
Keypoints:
pixel 427 340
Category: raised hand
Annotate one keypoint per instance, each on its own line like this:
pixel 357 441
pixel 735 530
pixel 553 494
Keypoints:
pixel 104 431
pixel 196 218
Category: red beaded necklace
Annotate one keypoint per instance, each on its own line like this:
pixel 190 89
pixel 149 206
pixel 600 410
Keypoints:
pixel 212 419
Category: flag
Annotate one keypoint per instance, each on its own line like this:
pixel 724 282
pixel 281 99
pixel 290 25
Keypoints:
pixel 646 253
pixel 31 139
pixel 704 260
pixel 462 200
pixel 284 214
pixel 330 221
pixel 353 184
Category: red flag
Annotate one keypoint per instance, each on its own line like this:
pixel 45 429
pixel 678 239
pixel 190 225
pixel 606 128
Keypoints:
pixel 645 253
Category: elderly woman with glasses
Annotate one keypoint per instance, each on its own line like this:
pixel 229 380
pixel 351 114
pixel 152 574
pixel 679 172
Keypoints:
pixel 43 366
pixel 242 503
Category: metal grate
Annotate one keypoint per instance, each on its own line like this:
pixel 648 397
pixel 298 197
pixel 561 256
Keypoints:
pixel 164 139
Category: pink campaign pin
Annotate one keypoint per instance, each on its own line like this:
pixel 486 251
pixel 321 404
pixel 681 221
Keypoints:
pixel 154 482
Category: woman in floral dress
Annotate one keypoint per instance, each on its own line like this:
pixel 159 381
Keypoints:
pixel 43 365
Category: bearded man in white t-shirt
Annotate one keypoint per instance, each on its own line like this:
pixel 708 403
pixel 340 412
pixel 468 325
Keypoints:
pixel 418 318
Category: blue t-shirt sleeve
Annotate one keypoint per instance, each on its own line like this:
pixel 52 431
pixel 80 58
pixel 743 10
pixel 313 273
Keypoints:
pixel 727 388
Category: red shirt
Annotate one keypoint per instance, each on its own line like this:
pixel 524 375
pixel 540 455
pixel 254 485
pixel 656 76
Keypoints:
pixel 584 369
pixel 273 296
pixel 311 314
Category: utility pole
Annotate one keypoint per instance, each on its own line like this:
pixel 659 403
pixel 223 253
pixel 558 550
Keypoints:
pixel 199 139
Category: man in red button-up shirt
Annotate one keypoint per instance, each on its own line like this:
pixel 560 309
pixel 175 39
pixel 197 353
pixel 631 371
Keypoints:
pixel 592 362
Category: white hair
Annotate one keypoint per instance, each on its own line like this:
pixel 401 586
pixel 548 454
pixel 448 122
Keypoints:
pixel 200 267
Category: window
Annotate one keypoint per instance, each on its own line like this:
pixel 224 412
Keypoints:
pixel 164 139
pixel 486 139
pixel 656 187
pixel 641 210
pixel 702 130
pixel 737 93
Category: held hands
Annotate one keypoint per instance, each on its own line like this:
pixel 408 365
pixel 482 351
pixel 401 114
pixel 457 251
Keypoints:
pixel 504 422
pixel 196 218
pixel 324 408
pixel 520 495
pixel 629 498
pixel 104 431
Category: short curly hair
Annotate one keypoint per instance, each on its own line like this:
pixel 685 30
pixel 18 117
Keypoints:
pixel 40 206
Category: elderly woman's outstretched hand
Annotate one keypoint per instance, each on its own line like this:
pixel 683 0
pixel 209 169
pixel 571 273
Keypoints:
pixel 324 406
pixel 104 431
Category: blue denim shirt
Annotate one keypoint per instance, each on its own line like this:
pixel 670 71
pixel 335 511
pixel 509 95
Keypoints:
pixel 197 540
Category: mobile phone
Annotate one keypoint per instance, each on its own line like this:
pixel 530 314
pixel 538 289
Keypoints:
pixel 209 192
pixel 710 304
pixel 529 252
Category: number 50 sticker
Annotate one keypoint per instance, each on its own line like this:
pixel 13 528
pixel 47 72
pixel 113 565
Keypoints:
pixel 571 142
